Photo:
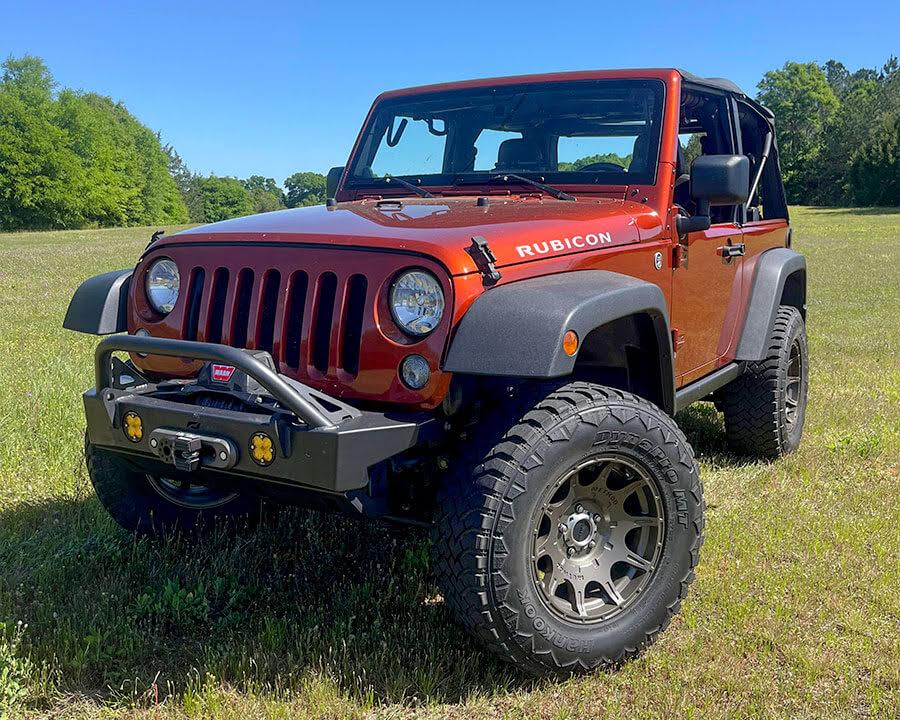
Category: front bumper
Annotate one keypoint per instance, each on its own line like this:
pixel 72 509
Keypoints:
pixel 319 442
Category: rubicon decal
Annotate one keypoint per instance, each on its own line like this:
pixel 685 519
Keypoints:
pixel 576 242
pixel 222 373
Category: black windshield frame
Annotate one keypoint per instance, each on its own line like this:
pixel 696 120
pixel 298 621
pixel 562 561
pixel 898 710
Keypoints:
pixel 438 106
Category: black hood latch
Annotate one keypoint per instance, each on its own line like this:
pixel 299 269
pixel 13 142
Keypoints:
pixel 484 260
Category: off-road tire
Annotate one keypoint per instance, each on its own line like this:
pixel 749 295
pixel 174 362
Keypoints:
pixel 755 405
pixel 482 536
pixel 130 498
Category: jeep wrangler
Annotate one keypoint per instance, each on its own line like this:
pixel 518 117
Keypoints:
pixel 514 285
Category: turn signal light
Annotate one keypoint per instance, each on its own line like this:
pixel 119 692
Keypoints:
pixel 262 449
pixel 570 343
pixel 133 426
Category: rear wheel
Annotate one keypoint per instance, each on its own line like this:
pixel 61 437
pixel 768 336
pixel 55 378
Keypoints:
pixel 765 408
pixel 154 505
pixel 568 538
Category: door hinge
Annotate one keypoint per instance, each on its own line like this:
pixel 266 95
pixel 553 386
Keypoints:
pixel 680 256
pixel 484 260
pixel 677 339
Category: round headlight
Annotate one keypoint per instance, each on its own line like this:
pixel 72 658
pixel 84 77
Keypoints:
pixel 163 283
pixel 417 302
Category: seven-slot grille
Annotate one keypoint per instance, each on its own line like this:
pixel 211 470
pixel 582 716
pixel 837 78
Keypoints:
pixel 309 321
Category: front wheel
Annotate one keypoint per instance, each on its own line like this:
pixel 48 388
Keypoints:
pixel 570 541
pixel 154 505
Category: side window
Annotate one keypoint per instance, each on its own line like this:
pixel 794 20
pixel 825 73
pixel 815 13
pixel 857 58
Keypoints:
pixel 768 200
pixel 704 129
pixel 487 147
pixel 409 147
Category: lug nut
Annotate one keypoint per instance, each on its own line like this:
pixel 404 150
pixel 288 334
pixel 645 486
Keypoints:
pixel 592 544
pixel 597 518
pixel 579 508
pixel 562 528
pixel 570 552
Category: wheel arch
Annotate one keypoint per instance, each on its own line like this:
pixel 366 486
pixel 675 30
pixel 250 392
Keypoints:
pixel 779 279
pixel 516 330
pixel 100 304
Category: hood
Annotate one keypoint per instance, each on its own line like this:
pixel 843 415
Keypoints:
pixel 517 229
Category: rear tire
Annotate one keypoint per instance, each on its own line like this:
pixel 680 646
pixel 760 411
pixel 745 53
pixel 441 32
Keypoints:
pixel 766 406
pixel 568 536
pixel 154 506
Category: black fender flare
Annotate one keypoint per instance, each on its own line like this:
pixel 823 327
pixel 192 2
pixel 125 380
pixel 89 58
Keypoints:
pixel 778 279
pixel 517 329
pixel 100 304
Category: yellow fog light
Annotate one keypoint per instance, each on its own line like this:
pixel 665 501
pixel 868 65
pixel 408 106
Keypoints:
pixel 133 427
pixel 262 449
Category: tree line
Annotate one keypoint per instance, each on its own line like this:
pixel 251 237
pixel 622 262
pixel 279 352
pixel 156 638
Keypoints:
pixel 838 132
pixel 71 159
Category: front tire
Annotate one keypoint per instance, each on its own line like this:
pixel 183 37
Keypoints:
pixel 154 506
pixel 568 540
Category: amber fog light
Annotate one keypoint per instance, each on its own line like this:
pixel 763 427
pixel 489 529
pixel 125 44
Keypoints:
pixel 133 426
pixel 414 372
pixel 262 449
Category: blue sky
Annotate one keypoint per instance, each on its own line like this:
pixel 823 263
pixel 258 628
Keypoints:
pixel 274 87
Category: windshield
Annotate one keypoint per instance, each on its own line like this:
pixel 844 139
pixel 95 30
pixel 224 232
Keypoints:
pixel 584 132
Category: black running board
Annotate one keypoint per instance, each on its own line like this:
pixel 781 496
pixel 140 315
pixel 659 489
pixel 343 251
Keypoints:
pixel 707 385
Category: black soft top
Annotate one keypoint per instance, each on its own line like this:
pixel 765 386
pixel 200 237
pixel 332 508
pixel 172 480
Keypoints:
pixel 725 86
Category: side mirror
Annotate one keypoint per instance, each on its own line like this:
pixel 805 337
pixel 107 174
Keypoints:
pixel 332 180
pixel 715 180
pixel 720 179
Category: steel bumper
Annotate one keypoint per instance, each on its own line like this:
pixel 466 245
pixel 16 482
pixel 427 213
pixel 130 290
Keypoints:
pixel 319 442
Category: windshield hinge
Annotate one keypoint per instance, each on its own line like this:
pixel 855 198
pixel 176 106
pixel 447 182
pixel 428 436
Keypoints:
pixel 484 260
pixel 154 237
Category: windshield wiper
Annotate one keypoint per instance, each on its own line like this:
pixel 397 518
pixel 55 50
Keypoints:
pixel 550 190
pixel 415 188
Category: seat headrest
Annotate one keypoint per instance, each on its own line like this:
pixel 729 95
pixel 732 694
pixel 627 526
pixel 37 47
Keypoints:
pixel 640 153
pixel 519 154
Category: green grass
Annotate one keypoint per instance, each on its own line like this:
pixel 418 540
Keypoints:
pixel 795 611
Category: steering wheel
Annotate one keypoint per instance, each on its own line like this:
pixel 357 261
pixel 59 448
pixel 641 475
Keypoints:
pixel 605 166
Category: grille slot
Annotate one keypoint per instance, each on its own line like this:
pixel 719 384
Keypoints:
pixel 195 296
pixel 217 308
pixel 354 309
pixel 271 285
pixel 242 310
pixel 323 315
pixel 296 303
pixel 310 321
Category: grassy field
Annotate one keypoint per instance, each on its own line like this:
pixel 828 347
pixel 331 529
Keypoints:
pixel 795 611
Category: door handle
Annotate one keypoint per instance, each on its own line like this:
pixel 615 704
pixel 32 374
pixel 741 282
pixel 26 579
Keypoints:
pixel 728 252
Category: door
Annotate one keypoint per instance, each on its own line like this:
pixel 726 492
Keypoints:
pixel 701 294
pixel 707 280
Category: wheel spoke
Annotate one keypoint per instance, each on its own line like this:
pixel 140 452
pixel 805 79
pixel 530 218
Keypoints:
pixel 620 552
pixel 624 493
pixel 613 592
pixel 546 545
pixel 564 499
